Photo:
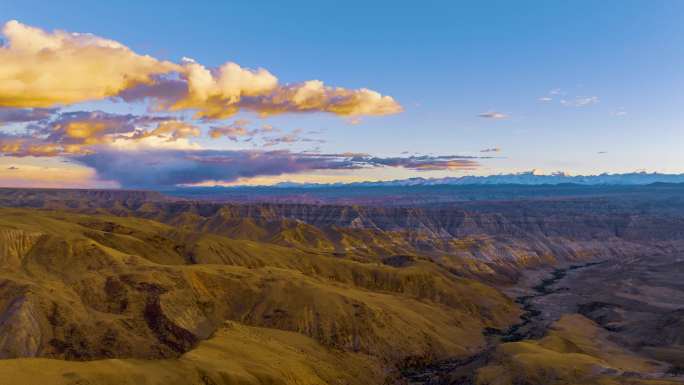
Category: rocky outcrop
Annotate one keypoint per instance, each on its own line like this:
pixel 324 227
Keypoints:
pixel 14 245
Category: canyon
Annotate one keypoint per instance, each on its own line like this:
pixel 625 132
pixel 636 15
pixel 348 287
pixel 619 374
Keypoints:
pixel 556 285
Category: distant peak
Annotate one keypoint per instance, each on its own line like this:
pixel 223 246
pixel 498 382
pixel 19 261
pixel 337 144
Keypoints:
pixel 533 177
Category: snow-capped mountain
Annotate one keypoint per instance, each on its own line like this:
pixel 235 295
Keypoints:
pixel 533 177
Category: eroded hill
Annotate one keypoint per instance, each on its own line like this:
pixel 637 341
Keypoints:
pixel 109 287
pixel 83 287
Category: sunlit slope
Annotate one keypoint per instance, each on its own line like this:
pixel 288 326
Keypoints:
pixel 237 354
pixel 83 287
pixel 575 351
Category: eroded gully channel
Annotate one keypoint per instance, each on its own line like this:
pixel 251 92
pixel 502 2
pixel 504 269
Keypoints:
pixel 532 326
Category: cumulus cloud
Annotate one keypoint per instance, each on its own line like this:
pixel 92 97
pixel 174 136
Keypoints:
pixel 45 69
pixel 315 96
pixel 222 93
pixel 493 115
pixel 216 94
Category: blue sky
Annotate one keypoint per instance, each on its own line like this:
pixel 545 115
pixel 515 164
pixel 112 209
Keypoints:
pixel 611 68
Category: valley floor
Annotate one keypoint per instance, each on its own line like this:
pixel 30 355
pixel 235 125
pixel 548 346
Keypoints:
pixel 607 322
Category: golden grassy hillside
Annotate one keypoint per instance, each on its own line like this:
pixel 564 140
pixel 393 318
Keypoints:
pixel 124 290
pixel 237 354
pixel 575 351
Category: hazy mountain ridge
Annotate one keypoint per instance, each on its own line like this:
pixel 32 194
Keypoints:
pixel 523 178
pixel 424 195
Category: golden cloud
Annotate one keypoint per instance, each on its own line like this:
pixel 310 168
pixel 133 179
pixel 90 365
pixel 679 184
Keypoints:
pixel 174 130
pixel 37 148
pixel 44 69
pixel 314 95
pixel 221 93
pixel 233 131
pixel 83 132
pixel 41 69
pixel 10 146
pixel 215 94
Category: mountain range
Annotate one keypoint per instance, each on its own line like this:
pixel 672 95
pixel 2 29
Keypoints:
pixel 533 177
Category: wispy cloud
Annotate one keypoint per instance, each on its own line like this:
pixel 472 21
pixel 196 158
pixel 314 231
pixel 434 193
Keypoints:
pixel 493 115
pixel 154 151
pixel 580 101
pixel 427 162
pixel 233 131
pixel 619 112
pixel 551 95
pixel 493 149
pixel 294 136
pixel 81 132
pixel 576 101
pixel 23 115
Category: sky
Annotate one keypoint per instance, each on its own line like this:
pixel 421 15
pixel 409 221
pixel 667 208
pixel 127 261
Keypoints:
pixel 158 94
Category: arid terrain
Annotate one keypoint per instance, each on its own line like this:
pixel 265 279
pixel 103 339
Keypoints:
pixel 564 286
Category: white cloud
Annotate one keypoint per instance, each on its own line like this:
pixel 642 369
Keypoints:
pixel 493 115
pixel 580 101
